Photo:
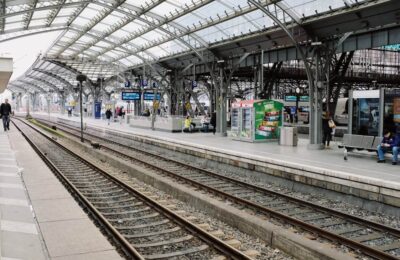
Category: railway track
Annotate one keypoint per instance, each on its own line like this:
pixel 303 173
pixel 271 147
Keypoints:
pixel 142 228
pixel 369 238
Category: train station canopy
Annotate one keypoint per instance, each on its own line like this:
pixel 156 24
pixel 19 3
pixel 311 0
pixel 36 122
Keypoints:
pixel 102 38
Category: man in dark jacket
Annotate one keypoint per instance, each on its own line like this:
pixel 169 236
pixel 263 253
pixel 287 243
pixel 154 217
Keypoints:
pixel 108 116
pixel 389 143
pixel 5 112
pixel 213 121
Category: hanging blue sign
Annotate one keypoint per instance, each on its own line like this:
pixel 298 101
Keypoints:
pixel 150 96
pixel 290 98
pixel 130 96
pixel 144 83
pixel 97 110
pixel 304 98
pixel 194 84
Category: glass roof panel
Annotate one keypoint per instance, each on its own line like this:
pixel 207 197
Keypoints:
pixel 165 9
pixel 100 27
pixel 138 2
pixel 80 21
pixel 40 14
pixel 60 20
pixel 120 34
pixel 308 7
pixel 133 59
pixel 158 51
pixel 15 18
pixel 110 20
pixel 14 26
pixel 66 11
pixel 37 23
pixel 212 9
pixel 139 41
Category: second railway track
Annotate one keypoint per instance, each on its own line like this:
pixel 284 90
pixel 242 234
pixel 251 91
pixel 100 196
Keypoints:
pixel 369 238
pixel 142 228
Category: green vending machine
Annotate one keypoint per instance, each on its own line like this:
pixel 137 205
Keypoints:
pixel 268 118
pixel 256 120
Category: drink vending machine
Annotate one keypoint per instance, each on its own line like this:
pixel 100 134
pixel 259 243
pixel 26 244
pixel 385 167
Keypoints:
pixel 256 120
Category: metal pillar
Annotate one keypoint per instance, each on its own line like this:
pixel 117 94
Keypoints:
pixel 381 110
pixel 81 78
pixel 316 107
pixel 28 96
pixel 218 87
pixel 142 92
pixel 350 112
pixel 255 83
pixel 262 71
pixel 223 100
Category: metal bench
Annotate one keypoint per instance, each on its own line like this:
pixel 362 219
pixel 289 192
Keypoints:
pixel 360 142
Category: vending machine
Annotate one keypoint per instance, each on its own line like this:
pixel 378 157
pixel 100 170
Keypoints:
pixel 256 120
pixel 235 118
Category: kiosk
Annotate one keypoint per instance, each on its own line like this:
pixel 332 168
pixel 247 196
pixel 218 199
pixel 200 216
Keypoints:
pixel 256 120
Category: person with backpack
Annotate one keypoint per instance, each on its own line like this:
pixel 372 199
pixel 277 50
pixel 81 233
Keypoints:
pixel 5 113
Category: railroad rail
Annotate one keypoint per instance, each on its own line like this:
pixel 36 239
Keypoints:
pixel 141 227
pixel 370 238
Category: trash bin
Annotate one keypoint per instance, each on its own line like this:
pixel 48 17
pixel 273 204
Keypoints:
pixel 288 136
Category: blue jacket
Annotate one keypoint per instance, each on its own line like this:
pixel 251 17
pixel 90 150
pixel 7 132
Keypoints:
pixel 396 141
pixel 393 141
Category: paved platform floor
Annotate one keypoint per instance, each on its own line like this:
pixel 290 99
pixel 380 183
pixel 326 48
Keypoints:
pixel 39 218
pixel 359 167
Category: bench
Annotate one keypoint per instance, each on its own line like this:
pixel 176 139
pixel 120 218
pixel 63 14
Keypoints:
pixel 360 142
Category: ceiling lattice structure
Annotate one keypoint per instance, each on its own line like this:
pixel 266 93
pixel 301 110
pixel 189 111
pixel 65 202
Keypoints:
pixel 102 38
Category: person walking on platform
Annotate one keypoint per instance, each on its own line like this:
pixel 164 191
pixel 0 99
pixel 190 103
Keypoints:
pixel 389 143
pixel 326 130
pixel 108 116
pixel 5 112
pixel 120 115
pixel 213 121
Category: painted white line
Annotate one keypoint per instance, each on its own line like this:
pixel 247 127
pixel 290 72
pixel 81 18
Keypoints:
pixel 9 258
pixel 10 166
pixel 20 227
pixel 13 202
pixel 11 185
pixel 8 174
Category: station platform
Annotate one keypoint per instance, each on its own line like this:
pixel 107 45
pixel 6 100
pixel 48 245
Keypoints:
pixel 39 219
pixel 360 176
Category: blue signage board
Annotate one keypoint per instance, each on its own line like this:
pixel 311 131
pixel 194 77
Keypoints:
pixel 97 110
pixel 150 96
pixel 290 98
pixel 304 99
pixel 293 98
pixel 130 96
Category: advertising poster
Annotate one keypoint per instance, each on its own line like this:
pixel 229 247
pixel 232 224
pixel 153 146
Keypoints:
pixel 268 119
pixel 368 116
pixel 396 110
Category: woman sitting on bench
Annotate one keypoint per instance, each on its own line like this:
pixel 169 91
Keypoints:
pixel 389 144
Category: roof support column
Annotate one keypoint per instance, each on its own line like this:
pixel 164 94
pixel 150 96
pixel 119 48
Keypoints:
pixel 316 107
pixel 315 126
pixel 28 96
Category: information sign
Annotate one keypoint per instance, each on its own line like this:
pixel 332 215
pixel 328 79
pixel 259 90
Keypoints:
pixel 150 96
pixel 130 96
